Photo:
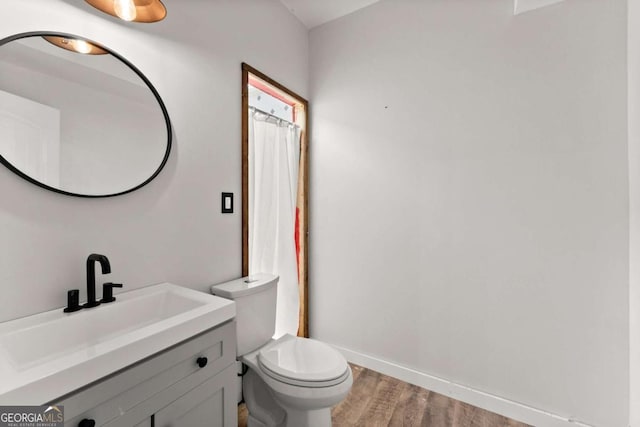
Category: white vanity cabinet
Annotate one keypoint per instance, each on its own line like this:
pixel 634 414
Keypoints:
pixel 174 388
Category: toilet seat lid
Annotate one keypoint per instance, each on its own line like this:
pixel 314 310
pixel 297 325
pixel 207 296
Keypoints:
pixel 303 359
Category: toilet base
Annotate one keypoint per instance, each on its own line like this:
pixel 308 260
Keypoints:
pixel 252 422
pixel 317 418
pixel 313 418
pixel 265 410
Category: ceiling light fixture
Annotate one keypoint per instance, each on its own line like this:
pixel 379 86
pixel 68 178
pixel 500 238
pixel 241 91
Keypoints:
pixel 76 45
pixel 125 9
pixel 132 10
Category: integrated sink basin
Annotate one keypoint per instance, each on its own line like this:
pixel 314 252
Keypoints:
pixel 47 355
pixel 90 328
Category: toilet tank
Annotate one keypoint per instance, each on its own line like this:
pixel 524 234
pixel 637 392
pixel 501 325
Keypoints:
pixel 255 297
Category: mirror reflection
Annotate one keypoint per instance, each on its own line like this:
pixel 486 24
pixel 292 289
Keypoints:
pixel 77 118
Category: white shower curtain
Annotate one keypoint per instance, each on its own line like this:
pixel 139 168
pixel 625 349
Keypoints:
pixel 274 157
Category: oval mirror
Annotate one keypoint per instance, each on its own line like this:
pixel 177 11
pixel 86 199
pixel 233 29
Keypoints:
pixel 77 118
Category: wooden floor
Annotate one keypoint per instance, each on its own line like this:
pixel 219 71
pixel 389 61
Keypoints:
pixel 377 400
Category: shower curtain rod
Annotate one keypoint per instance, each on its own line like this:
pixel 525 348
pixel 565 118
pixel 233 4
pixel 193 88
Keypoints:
pixel 251 107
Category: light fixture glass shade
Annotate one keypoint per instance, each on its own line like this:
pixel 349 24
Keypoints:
pixel 132 10
pixel 76 45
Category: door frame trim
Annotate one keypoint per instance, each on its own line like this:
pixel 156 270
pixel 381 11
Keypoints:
pixel 303 328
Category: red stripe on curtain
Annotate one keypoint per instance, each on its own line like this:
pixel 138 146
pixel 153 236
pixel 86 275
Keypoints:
pixel 296 236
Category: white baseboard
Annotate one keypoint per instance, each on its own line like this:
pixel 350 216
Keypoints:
pixel 499 405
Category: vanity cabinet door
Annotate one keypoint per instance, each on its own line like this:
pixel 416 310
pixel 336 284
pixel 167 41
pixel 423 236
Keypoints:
pixel 120 422
pixel 211 404
pixel 133 395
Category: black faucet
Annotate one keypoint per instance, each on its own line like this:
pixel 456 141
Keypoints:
pixel 91 277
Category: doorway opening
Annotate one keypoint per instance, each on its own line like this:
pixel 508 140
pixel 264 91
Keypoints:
pixel 275 185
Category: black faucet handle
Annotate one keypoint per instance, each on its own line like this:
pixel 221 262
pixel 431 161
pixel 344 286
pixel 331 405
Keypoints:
pixel 73 301
pixel 107 291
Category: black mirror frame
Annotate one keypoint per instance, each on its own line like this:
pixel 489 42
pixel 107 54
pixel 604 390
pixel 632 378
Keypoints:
pixel 153 90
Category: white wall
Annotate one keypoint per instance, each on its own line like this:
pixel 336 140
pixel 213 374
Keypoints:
pixel 172 229
pixel 634 191
pixel 469 197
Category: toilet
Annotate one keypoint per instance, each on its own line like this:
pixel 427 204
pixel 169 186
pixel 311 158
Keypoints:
pixel 288 381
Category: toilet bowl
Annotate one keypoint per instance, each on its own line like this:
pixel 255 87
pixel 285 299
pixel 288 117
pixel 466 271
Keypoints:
pixel 290 381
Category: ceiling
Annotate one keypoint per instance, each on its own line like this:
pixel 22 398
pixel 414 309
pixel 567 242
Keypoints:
pixel 316 12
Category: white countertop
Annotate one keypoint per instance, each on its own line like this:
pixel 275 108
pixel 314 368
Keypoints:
pixel 48 355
